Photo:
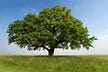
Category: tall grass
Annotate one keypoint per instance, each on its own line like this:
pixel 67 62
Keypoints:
pixel 18 63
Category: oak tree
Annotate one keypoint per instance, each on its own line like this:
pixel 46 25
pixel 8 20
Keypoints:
pixel 52 28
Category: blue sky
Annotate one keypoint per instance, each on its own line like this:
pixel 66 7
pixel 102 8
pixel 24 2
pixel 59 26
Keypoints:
pixel 93 13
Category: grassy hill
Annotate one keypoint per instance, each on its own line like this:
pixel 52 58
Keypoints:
pixel 82 63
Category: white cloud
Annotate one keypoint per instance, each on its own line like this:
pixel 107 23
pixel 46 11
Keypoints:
pixel 101 47
pixel 14 49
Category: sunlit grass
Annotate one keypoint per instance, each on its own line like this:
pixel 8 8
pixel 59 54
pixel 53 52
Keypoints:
pixel 82 63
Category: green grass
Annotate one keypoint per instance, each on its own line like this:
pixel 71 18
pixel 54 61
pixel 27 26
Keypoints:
pixel 82 63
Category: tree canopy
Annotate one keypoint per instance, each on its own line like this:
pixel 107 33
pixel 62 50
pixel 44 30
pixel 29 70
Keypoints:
pixel 52 28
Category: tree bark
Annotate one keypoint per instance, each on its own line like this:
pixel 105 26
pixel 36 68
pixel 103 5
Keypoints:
pixel 51 52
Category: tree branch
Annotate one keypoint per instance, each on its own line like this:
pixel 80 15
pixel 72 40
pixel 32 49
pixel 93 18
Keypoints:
pixel 45 47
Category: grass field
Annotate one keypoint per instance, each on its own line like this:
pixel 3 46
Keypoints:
pixel 82 63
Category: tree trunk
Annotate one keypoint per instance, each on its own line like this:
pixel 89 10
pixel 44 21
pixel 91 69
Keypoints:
pixel 51 52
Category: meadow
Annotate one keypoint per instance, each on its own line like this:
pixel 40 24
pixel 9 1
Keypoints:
pixel 74 63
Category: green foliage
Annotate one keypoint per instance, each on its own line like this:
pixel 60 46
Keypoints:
pixel 51 28
pixel 80 63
